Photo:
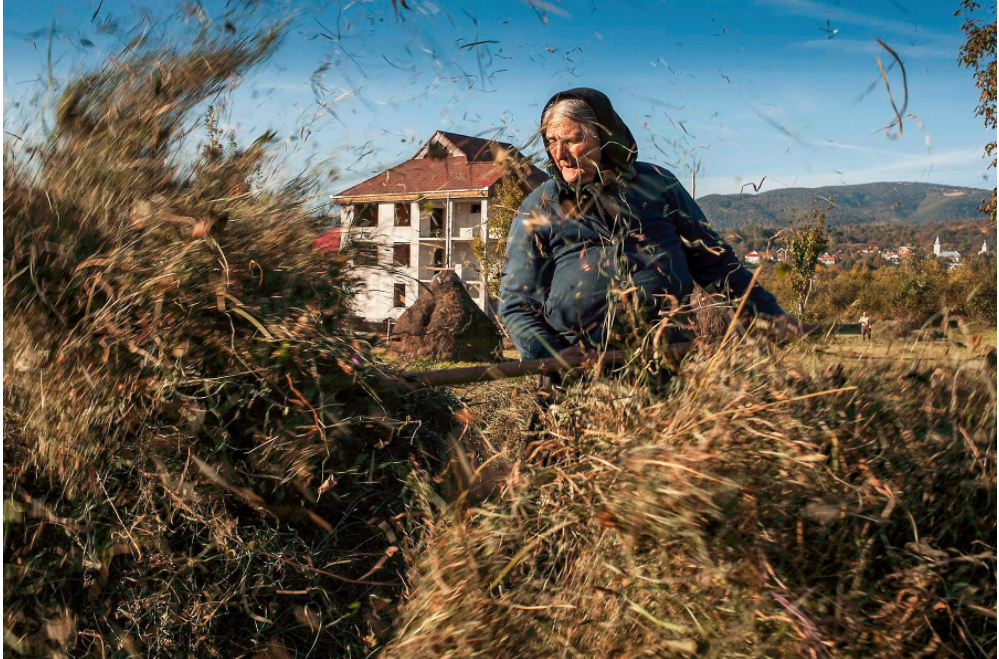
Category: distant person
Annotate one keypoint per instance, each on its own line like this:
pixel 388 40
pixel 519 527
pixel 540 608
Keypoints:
pixel 865 326
pixel 603 220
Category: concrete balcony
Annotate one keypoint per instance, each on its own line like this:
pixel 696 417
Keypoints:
pixel 466 233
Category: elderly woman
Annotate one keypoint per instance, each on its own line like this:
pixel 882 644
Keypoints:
pixel 606 221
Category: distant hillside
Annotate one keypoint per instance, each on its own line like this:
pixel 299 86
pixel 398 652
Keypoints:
pixel 897 203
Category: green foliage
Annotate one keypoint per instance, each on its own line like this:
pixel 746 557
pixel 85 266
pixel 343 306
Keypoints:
pixel 979 53
pixel 971 289
pixel 805 241
pixel 912 292
pixel 502 209
pixel 219 162
pixel 212 150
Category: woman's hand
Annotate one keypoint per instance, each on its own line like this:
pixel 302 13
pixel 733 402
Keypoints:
pixel 590 355
pixel 549 381
pixel 785 328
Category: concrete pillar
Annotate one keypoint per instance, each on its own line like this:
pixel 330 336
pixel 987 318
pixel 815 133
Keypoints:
pixel 448 230
pixel 483 231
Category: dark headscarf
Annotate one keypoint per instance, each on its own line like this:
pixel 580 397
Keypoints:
pixel 617 146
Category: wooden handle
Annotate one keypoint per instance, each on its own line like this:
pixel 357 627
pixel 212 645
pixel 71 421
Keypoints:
pixel 504 370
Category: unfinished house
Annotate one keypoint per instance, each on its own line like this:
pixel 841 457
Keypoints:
pixel 421 217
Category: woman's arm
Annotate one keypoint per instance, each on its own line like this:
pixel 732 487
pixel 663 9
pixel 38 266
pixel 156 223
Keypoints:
pixel 525 286
pixel 712 262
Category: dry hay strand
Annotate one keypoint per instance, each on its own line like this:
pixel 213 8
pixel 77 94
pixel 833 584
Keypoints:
pixel 196 460
pixel 445 324
pixel 760 508
pixel 710 318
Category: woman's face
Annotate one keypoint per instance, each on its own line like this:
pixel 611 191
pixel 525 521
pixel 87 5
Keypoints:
pixel 575 150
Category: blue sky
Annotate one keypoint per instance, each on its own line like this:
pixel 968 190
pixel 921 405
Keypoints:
pixel 734 90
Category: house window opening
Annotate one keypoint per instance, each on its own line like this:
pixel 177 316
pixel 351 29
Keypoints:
pixel 476 209
pixel 437 222
pixel 399 296
pixel 365 252
pixel 438 258
pixel 402 215
pixel 366 215
pixel 400 255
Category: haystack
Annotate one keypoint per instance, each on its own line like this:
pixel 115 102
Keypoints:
pixel 445 323
pixel 185 408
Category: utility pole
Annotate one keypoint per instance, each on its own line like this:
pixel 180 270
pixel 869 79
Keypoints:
pixel 693 184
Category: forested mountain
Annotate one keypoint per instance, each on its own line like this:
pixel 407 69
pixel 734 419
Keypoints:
pixel 896 203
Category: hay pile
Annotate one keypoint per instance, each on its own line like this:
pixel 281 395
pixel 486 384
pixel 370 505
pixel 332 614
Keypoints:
pixel 196 462
pixel 445 324
pixel 759 510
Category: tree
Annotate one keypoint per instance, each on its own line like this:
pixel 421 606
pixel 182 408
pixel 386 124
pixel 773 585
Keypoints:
pixel 805 239
pixel 226 170
pixel 979 53
pixel 914 291
pixel 490 251
pixel 212 150
pixel 971 289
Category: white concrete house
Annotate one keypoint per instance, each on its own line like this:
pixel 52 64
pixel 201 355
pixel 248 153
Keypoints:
pixel 423 215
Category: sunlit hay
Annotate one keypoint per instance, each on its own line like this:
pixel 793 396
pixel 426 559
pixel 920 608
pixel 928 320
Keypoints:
pixel 199 459
pixel 762 508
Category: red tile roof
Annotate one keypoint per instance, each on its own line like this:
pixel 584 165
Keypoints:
pixel 328 242
pixel 479 149
pixel 471 163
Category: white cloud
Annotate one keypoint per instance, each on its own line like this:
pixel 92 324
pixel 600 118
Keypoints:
pixel 839 16
pixel 862 47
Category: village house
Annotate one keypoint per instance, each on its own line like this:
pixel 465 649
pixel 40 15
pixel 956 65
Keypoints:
pixel 891 256
pixel 422 216
pixel 753 257
pixel 827 259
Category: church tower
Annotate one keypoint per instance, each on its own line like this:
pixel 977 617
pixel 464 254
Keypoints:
pixel 936 246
